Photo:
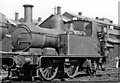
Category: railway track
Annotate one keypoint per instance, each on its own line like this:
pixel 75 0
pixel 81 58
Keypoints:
pixel 109 75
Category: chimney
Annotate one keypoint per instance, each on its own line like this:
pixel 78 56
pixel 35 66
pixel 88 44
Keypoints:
pixel 39 19
pixel 16 16
pixel 58 10
pixel 97 18
pixel 111 21
pixel 119 13
pixel 27 13
pixel 80 13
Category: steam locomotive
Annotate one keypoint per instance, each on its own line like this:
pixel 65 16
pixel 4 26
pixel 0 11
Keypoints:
pixel 63 48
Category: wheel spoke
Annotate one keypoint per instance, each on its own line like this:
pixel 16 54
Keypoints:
pixel 48 73
pixel 72 71
pixel 45 71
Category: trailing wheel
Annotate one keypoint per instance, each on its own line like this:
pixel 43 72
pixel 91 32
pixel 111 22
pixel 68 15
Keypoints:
pixel 48 73
pixel 72 71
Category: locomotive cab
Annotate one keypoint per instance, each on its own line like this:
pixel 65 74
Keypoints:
pixel 84 27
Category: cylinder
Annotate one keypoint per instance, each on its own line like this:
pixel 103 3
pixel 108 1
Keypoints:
pixel 27 13
pixel 16 16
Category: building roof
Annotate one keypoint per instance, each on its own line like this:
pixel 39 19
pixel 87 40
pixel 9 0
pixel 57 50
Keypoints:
pixel 15 22
pixel 114 32
pixel 72 16
pixel 113 40
pixel 45 23
pixel 3 20
pixel 109 45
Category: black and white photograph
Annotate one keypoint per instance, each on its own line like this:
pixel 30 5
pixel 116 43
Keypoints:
pixel 60 41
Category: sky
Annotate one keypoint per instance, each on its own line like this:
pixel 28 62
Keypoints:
pixel 44 8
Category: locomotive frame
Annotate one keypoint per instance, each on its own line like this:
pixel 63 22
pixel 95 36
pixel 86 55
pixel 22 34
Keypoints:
pixel 63 49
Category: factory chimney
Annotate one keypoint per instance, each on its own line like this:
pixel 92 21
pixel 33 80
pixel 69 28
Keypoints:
pixel 80 13
pixel 16 16
pixel 39 19
pixel 58 10
pixel 27 13
pixel 97 18
pixel 119 13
